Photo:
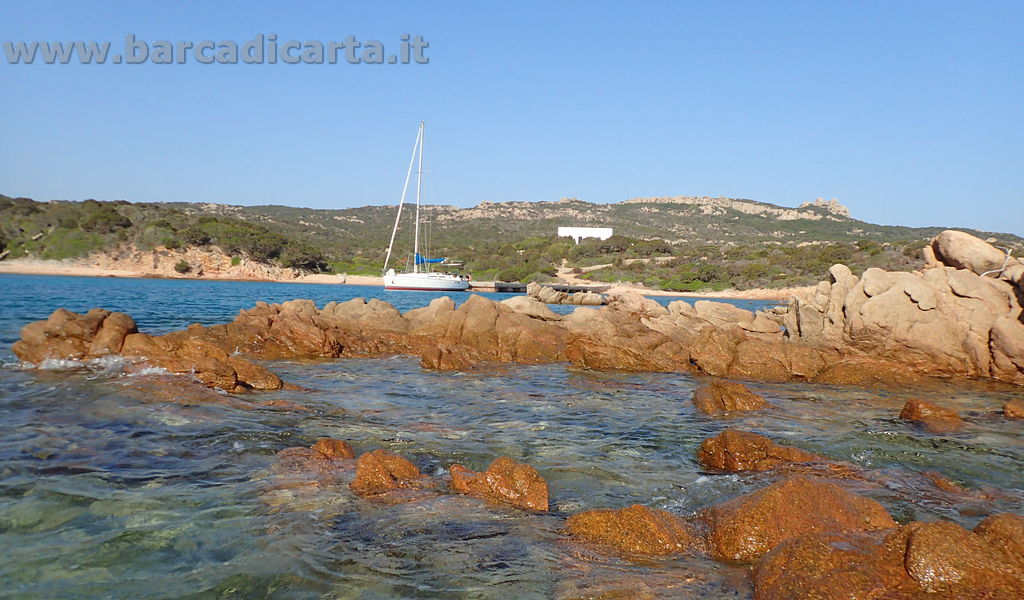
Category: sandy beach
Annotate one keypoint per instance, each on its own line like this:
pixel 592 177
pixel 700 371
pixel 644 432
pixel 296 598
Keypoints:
pixel 54 267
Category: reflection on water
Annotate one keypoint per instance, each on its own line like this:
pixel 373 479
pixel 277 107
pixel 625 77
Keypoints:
pixel 145 487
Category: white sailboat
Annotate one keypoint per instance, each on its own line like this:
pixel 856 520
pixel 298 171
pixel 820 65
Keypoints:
pixel 419 279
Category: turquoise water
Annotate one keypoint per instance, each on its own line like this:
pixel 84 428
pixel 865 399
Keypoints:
pixel 117 486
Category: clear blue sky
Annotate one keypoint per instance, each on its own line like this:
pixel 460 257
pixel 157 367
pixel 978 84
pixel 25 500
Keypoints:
pixel 908 112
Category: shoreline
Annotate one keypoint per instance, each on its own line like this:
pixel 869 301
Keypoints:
pixel 58 268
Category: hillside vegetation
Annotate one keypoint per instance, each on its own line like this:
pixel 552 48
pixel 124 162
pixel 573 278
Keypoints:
pixel 682 244
pixel 62 230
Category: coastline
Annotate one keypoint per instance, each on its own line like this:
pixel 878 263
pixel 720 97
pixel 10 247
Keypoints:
pixel 52 267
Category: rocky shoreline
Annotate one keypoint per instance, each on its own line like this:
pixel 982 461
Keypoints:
pixel 803 535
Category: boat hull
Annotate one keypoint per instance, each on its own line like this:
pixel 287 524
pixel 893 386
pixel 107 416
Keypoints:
pixel 426 282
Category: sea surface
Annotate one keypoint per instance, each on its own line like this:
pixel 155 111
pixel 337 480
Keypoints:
pixel 151 486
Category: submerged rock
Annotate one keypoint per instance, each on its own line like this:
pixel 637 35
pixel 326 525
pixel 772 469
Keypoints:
pixel 635 529
pixel 747 527
pixel 734 450
pixel 381 471
pixel 932 417
pixel 310 467
pixel 504 481
pixel 332 448
pixel 722 397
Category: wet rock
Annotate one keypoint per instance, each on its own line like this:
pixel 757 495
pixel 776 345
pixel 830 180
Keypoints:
pixel 827 566
pixel 1014 409
pixel 253 376
pixel 944 557
pixel 381 471
pixel 722 397
pixel 635 529
pixel 504 481
pixel 918 560
pixel 734 450
pixel 868 372
pixel 932 417
pixel 1004 531
pixel 308 467
pixel 332 448
pixel 747 527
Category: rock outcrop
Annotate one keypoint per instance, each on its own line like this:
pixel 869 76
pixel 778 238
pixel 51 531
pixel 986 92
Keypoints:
pixel 381 471
pixel 723 397
pixel 633 530
pixel 734 450
pixel 745 528
pixel 1014 409
pixel 947 320
pixel 934 418
pixel 883 328
pixel 505 481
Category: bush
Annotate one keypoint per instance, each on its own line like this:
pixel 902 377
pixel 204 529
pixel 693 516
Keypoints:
pixel 182 266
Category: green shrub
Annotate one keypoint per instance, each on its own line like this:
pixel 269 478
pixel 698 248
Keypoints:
pixel 182 266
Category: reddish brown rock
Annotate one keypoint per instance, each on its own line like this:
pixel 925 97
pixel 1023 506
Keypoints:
pixel 332 448
pixel 918 560
pixel 734 450
pixel 933 418
pixel 68 335
pixel 1014 409
pixel 504 481
pixel 381 471
pixel 747 527
pixel 721 397
pixel 944 557
pixel 306 467
pixel 618 339
pixel 635 529
pixel 482 330
pixel 868 372
pixel 828 566
pixel 111 334
pixel 1004 531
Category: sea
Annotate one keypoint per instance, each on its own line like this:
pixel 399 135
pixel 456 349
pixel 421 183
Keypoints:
pixel 120 483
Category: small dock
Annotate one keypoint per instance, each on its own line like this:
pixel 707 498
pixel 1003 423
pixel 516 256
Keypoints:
pixel 503 287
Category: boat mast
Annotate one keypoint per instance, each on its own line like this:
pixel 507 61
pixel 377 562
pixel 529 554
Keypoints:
pixel 419 186
pixel 405 188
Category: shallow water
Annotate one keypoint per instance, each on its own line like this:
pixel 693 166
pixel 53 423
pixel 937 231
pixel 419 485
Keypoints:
pixel 109 490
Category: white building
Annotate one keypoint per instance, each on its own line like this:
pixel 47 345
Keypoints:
pixel 578 233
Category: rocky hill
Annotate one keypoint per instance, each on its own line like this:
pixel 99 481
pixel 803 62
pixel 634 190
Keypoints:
pixel 679 243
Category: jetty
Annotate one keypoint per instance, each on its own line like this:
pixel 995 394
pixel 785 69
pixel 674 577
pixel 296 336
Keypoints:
pixel 518 287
